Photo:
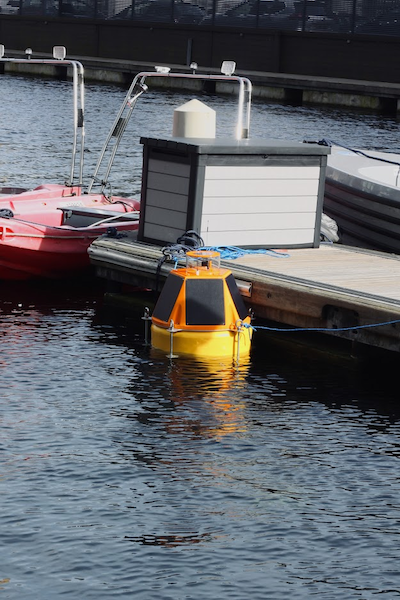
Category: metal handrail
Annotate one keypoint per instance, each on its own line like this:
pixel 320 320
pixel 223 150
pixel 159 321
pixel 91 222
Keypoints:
pixel 78 142
pixel 138 87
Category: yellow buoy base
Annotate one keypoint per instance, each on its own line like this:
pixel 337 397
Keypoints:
pixel 202 343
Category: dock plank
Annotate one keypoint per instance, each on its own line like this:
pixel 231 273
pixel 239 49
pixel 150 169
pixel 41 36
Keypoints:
pixel 370 273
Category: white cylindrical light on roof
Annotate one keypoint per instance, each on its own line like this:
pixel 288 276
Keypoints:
pixel 194 120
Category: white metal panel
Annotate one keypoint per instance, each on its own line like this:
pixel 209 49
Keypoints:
pixel 263 239
pixel 253 222
pixel 262 172
pixel 260 205
pixel 260 187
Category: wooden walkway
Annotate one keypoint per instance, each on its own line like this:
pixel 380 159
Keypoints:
pixel 353 270
pixel 335 288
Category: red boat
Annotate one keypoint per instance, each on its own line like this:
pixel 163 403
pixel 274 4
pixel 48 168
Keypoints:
pixel 46 232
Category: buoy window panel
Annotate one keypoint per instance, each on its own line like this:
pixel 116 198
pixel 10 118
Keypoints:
pixel 168 297
pixel 205 302
pixel 236 297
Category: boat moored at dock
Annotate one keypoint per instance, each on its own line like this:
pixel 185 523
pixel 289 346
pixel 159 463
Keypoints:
pixel 45 232
pixel 362 194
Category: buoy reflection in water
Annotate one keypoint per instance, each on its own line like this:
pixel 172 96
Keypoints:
pixel 215 385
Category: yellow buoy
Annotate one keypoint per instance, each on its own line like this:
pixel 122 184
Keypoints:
pixel 200 311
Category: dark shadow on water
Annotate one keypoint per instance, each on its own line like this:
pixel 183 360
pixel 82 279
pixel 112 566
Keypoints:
pixel 46 295
pixel 331 370
pixel 289 366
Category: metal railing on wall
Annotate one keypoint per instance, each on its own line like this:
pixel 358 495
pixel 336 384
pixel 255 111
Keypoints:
pixel 372 17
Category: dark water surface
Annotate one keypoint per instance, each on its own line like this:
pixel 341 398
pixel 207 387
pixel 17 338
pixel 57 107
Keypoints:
pixel 126 475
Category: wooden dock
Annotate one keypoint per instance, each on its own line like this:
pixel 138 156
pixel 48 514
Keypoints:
pixel 340 290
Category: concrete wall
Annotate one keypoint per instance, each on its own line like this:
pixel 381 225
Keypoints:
pixel 370 58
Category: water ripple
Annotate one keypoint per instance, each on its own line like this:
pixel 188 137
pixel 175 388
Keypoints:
pixel 126 475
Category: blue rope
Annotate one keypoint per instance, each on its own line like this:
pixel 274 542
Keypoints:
pixel 330 329
pixel 232 252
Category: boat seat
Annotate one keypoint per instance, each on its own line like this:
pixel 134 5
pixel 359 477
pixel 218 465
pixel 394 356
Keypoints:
pixel 82 216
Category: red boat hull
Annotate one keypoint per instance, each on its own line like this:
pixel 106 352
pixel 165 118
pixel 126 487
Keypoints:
pixel 50 258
